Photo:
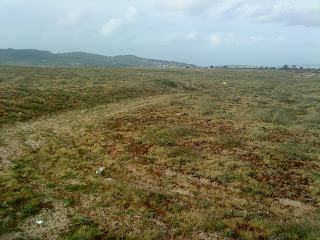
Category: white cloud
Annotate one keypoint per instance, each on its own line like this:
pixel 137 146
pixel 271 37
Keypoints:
pixel 280 38
pixel 110 26
pixel 226 9
pixel 215 39
pixel 286 12
pixel 259 38
pixel 170 37
pixel 182 5
pixel 192 35
pixel 71 18
pixel 255 38
pixel 229 38
pixel 131 13
pixel 305 13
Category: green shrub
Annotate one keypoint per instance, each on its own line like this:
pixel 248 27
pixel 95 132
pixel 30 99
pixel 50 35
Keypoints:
pixel 76 187
pixel 69 202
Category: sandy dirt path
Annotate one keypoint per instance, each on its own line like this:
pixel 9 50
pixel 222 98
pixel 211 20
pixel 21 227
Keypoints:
pixel 28 134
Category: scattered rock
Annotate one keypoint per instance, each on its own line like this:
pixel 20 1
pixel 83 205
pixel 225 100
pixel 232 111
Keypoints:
pixel 99 171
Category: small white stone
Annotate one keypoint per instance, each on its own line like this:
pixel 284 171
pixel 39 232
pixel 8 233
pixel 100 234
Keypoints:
pixel 99 171
pixel 39 222
pixel 109 179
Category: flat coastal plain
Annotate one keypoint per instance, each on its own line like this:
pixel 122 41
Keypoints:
pixel 150 153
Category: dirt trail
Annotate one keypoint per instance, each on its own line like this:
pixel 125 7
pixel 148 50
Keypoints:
pixel 30 134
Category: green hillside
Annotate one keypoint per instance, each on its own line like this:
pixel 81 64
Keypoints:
pixel 33 57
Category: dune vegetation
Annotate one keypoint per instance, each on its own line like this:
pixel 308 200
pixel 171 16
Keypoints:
pixel 187 153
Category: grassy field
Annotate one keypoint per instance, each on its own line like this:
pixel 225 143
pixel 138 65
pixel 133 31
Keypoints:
pixel 188 153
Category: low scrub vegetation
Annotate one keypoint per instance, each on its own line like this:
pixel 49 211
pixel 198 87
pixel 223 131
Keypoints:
pixel 107 153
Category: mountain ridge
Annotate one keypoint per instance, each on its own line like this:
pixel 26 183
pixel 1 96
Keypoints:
pixel 34 57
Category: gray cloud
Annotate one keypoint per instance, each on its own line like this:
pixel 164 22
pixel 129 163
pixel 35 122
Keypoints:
pixel 287 13
pixel 304 13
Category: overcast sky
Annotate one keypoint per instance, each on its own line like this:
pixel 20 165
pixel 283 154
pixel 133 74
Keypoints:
pixel 203 32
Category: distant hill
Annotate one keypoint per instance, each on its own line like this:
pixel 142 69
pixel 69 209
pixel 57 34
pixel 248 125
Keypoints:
pixel 33 57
